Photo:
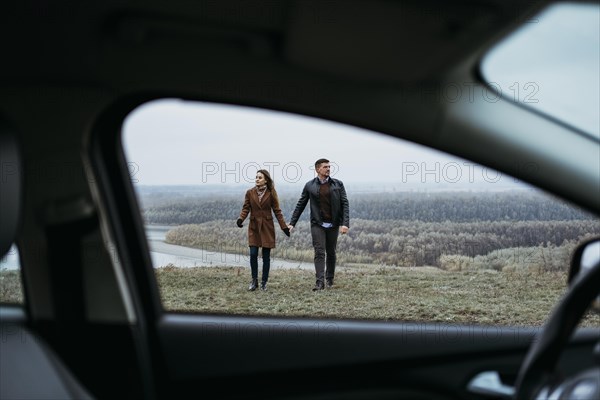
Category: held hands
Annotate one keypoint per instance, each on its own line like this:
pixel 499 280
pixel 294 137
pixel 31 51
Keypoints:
pixel 288 230
pixel 239 223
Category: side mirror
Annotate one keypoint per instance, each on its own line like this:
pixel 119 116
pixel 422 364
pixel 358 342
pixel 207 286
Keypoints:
pixel 585 258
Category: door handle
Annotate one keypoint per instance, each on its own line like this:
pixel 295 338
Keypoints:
pixel 490 384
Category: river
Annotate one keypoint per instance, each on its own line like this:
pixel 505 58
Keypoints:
pixel 164 254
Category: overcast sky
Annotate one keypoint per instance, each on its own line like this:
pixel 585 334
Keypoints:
pixel 181 142
pixel 552 64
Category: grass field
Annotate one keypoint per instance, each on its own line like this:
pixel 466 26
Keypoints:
pixel 424 294
pixel 11 290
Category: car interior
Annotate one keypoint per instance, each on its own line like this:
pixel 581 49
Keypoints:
pixel 92 324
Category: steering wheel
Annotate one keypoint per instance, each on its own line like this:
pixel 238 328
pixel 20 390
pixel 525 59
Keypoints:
pixel 535 376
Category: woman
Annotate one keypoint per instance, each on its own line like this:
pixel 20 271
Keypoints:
pixel 259 202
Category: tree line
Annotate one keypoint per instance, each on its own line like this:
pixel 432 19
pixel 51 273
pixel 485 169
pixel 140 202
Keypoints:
pixel 414 243
pixel 449 230
pixel 411 206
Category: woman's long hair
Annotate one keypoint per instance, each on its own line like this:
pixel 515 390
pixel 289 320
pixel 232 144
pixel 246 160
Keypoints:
pixel 270 183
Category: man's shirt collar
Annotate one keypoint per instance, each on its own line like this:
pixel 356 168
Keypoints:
pixel 324 180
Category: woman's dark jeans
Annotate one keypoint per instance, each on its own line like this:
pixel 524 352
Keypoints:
pixel 266 257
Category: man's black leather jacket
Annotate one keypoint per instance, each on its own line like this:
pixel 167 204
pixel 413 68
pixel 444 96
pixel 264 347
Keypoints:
pixel 339 203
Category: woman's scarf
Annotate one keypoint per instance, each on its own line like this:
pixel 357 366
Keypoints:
pixel 261 190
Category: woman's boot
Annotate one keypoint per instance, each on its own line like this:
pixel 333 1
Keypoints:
pixel 253 284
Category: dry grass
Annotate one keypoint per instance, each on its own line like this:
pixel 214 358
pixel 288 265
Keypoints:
pixel 393 294
pixel 11 290
pixel 424 294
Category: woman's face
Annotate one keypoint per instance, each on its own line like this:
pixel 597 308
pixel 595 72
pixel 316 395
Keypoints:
pixel 260 179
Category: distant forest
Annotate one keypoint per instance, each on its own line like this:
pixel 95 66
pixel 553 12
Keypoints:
pixel 450 230
pixel 409 206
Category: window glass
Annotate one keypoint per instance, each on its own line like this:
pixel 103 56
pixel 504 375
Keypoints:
pixel 431 237
pixel 11 290
pixel 552 65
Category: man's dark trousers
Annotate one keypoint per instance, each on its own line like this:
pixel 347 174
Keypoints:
pixel 325 243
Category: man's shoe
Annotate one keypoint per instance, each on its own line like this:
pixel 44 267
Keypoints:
pixel 263 286
pixel 319 286
pixel 329 283
pixel 253 285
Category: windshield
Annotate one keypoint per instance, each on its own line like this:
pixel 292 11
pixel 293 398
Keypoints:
pixel 552 64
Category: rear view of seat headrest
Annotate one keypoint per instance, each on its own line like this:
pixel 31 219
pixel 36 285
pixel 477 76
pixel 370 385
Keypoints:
pixel 10 186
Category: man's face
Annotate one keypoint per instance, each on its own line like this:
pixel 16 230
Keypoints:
pixel 323 170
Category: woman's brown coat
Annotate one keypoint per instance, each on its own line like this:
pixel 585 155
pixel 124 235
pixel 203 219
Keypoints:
pixel 261 229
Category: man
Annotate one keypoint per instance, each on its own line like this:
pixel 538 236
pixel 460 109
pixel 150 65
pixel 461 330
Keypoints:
pixel 329 216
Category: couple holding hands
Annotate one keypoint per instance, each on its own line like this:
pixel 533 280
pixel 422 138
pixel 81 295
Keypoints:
pixel 329 216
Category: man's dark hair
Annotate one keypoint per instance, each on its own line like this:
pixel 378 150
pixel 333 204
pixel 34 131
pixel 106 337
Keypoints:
pixel 320 161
